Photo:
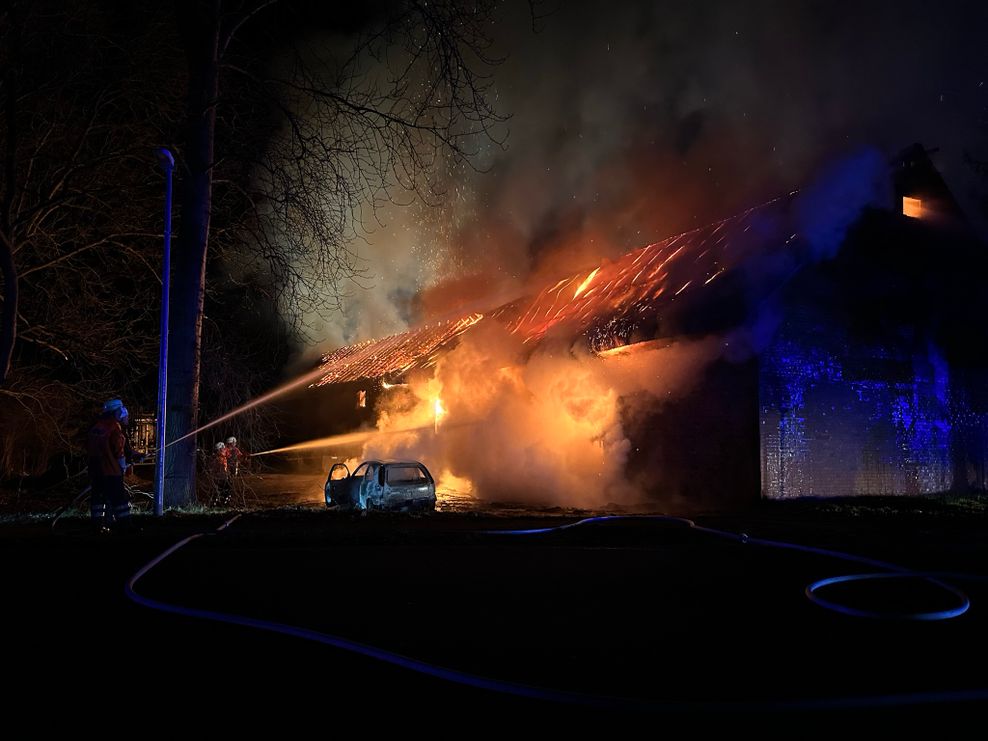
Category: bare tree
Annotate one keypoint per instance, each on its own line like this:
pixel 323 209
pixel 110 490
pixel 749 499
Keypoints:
pixel 10 28
pixel 79 225
pixel 306 142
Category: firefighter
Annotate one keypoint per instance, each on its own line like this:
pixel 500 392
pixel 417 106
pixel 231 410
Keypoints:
pixel 217 464
pixel 220 473
pixel 109 503
pixel 234 456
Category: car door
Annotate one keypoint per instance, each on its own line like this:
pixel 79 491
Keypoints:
pixel 357 492
pixel 370 491
pixel 338 485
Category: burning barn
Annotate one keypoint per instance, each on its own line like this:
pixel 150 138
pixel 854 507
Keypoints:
pixel 824 343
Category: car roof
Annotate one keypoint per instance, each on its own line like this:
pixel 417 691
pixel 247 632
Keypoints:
pixel 393 462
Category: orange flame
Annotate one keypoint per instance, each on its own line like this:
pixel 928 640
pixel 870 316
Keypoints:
pixel 583 286
pixel 440 412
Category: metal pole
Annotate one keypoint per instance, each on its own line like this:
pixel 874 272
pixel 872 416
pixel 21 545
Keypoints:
pixel 167 163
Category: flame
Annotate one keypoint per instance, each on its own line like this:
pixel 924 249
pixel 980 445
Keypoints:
pixel 612 351
pixel 450 482
pixel 439 412
pixel 583 286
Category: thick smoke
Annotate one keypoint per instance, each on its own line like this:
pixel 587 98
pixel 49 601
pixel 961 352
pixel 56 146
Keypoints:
pixel 545 427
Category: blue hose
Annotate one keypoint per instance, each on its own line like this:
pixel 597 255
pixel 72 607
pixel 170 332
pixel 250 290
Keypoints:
pixel 891 570
pixel 533 692
pixel 963 601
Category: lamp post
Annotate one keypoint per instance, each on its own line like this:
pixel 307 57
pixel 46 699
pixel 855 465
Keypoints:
pixel 167 163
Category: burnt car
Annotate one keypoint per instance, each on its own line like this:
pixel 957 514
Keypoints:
pixel 391 485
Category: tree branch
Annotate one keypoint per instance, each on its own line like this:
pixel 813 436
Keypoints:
pixel 109 239
pixel 229 35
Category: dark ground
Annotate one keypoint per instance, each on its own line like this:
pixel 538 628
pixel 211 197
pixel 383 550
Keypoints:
pixel 709 630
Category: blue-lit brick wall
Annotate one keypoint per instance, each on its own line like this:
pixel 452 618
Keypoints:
pixel 841 417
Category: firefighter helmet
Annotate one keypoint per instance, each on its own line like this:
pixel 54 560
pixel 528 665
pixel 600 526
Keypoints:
pixel 116 406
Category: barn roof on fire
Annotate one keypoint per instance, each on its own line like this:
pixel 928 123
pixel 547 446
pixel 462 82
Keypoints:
pixel 606 304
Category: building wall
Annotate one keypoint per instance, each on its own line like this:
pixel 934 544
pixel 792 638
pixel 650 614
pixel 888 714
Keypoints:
pixel 843 417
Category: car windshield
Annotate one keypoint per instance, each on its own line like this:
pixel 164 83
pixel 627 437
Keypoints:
pixel 361 470
pixel 405 475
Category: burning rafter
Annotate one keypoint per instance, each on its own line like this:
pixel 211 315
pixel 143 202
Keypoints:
pixel 395 354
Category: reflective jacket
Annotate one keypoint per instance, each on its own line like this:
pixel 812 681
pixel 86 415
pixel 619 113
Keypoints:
pixel 106 447
pixel 217 463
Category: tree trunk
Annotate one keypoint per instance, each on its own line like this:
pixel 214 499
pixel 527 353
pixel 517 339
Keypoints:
pixel 8 318
pixel 199 25
pixel 8 322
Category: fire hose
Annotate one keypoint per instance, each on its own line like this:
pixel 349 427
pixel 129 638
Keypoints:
pixel 888 570
pixel 605 702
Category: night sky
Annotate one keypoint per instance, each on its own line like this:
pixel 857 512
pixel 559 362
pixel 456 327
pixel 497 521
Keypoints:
pixel 634 121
